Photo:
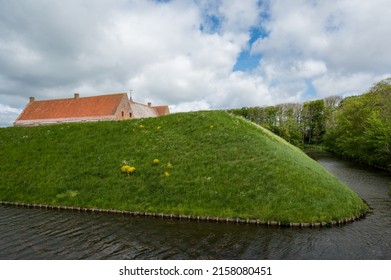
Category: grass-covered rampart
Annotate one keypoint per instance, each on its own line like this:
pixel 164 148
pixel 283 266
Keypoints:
pixel 209 164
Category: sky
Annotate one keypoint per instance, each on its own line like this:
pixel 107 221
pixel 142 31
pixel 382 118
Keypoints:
pixel 191 55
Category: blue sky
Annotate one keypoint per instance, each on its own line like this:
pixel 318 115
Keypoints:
pixel 191 55
pixel 247 61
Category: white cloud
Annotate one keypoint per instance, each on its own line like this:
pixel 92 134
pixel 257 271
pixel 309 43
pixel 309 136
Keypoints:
pixel 182 53
pixel 291 69
pixel 7 109
pixel 8 115
pixel 238 90
pixel 239 16
pixel 342 46
pixel 308 69
pixel 345 35
pixel 345 85
pixel 190 106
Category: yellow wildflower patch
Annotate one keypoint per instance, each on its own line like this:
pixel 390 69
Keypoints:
pixel 128 169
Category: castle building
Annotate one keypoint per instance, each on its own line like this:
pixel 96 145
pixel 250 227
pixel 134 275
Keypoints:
pixel 106 107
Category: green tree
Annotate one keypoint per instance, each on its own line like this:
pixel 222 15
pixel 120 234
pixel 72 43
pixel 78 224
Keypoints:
pixel 314 121
pixel 362 128
pixel 289 123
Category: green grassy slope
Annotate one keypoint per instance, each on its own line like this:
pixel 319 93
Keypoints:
pixel 222 166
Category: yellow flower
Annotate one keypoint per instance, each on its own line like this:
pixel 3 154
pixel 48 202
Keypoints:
pixel 156 161
pixel 141 126
pixel 211 126
pixel 166 174
pixel 128 169
pixel 159 127
pixel 169 165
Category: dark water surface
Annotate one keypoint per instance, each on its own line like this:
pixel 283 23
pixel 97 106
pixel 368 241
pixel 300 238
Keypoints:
pixel 50 234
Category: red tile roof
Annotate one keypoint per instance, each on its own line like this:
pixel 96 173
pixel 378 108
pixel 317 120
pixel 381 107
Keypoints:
pixel 144 111
pixel 79 109
pixel 94 106
pixel 162 110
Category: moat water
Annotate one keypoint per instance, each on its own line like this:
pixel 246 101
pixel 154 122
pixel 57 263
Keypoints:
pixel 50 234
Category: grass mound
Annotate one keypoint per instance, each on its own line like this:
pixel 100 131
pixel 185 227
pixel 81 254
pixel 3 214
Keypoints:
pixel 202 164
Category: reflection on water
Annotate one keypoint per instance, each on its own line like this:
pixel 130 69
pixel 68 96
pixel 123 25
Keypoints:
pixel 50 234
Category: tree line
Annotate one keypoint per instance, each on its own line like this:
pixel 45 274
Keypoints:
pixel 358 127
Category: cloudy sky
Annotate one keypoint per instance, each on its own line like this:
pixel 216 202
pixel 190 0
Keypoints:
pixel 191 55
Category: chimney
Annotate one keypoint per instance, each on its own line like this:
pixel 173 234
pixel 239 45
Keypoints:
pixel 130 95
pixel 149 104
pixel 32 98
pixel 77 95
